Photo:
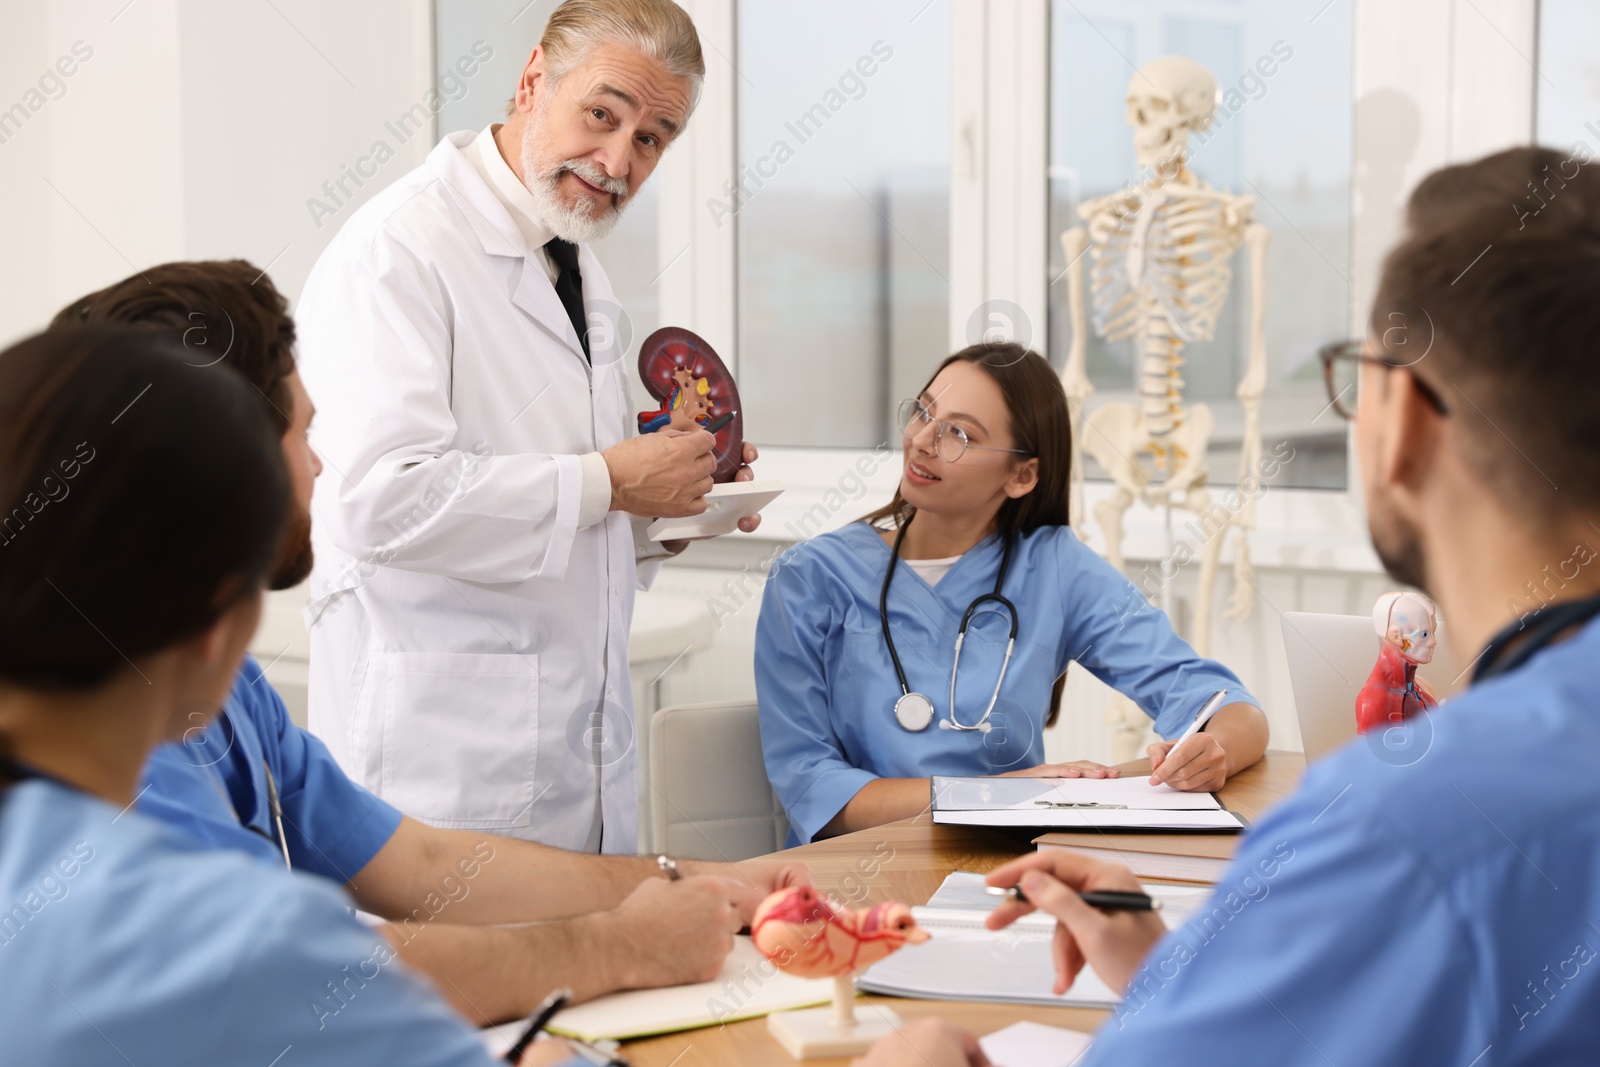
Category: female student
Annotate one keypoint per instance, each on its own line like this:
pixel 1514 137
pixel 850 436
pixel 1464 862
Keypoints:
pixel 885 651
pixel 141 504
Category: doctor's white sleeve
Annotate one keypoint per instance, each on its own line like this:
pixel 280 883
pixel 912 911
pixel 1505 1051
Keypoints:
pixel 375 345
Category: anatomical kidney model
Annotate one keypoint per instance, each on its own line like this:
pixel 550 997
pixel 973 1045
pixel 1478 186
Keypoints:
pixel 803 935
pixel 694 389
pixel 1408 630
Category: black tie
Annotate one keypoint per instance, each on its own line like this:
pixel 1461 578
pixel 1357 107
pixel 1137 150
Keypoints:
pixel 569 286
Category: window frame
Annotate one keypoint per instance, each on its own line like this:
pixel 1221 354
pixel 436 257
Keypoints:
pixel 1465 65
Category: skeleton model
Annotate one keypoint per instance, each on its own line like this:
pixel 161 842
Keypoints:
pixel 1160 276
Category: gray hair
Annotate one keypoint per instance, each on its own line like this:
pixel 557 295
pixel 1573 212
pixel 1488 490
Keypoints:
pixel 659 28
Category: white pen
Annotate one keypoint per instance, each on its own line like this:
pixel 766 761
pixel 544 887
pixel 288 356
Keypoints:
pixel 1199 720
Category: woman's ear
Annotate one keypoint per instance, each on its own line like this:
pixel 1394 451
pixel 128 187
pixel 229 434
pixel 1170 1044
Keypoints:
pixel 1024 478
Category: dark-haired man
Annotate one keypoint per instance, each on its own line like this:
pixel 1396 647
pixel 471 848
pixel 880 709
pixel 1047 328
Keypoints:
pixel 255 782
pixel 1432 892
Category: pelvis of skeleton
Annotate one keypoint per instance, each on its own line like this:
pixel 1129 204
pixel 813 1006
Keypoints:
pixel 1158 470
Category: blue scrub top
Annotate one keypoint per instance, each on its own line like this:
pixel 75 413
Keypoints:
pixel 1431 894
pixel 827 686
pixel 211 786
pixel 122 941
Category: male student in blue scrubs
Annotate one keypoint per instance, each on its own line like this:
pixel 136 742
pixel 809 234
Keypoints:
pixel 252 781
pixel 1431 894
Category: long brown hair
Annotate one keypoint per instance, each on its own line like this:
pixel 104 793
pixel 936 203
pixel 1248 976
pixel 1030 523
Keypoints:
pixel 1041 427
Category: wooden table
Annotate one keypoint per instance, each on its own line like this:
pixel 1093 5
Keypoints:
pixel 907 860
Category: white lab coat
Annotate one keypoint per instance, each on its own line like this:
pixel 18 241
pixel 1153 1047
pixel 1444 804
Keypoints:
pixel 469 643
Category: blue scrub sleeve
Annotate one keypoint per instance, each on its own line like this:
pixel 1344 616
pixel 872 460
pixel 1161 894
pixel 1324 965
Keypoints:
pixel 804 757
pixel 1116 634
pixel 1325 943
pixel 311 976
pixel 334 826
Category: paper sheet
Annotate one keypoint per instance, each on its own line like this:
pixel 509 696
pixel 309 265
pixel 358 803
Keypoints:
pixel 1025 794
pixel 1035 1045
pixel 748 985
pixel 964 960
pixel 964 891
pixel 1094 819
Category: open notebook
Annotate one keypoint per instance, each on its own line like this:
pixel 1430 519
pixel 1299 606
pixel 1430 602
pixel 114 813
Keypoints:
pixel 1077 803
pixel 748 986
pixel 965 961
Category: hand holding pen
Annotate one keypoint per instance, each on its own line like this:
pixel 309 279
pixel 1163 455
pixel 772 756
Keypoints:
pixel 1195 762
pixel 556 1053
pixel 1103 917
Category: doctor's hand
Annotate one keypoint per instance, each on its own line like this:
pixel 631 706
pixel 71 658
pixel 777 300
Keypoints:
pixel 672 933
pixel 1113 943
pixel 1200 765
pixel 1082 768
pixel 745 474
pixel 749 522
pixel 663 475
pixel 928 1042
pixel 758 879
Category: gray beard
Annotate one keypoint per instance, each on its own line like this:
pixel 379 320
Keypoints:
pixel 569 224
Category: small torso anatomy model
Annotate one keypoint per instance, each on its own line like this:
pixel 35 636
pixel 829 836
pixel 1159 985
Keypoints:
pixel 803 935
pixel 1160 251
pixel 1407 629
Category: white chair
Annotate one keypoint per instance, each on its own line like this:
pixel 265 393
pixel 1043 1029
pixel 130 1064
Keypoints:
pixel 710 798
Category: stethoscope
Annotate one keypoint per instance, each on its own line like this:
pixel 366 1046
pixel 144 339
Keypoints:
pixel 21 772
pixel 914 711
pixel 1556 618
pixel 274 812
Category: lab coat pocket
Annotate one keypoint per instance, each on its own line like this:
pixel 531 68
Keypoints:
pixel 460 737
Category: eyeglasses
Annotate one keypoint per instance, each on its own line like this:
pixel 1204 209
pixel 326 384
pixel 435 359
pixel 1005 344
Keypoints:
pixel 950 442
pixel 1341 373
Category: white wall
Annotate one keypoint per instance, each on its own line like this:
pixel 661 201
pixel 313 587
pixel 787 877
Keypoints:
pixel 199 128
pixel 195 129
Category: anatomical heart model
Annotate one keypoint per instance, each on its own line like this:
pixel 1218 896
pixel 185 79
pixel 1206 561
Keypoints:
pixel 1408 630
pixel 694 389
pixel 803 935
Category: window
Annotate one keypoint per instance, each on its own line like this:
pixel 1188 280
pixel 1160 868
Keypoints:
pixel 842 205
pixel 1567 85
pixel 1284 138
pixel 511 29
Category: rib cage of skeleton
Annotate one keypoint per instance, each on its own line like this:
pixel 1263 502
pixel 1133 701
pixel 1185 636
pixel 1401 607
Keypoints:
pixel 1160 269
pixel 1158 254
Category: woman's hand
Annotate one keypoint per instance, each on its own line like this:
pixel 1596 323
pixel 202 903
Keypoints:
pixel 1113 943
pixel 1082 768
pixel 1199 766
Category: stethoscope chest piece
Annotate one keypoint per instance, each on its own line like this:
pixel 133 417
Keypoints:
pixel 914 712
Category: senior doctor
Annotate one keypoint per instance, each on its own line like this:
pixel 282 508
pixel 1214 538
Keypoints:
pixel 478 524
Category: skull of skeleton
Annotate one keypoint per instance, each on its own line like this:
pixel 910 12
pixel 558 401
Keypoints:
pixel 1168 98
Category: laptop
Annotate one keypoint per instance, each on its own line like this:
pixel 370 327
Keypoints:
pixel 1330 657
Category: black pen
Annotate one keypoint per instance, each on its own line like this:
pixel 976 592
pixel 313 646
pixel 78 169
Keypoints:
pixel 537 1021
pixel 720 421
pixel 1104 899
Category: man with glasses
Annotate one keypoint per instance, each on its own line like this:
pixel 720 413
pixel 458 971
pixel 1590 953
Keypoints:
pixel 1432 892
